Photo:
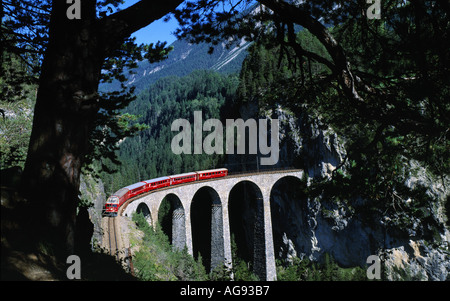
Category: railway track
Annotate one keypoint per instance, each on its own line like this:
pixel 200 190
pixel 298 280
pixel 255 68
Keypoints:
pixel 230 175
pixel 113 248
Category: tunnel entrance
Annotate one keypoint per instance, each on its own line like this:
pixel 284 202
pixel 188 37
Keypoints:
pixel 289 212
pixel 207 227
pixel 171 219
pixel 246 214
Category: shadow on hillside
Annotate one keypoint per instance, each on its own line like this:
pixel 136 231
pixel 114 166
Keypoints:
pixel 20 260
pixel 24 259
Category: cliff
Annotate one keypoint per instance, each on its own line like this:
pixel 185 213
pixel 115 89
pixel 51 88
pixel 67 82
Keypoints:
pixel 409 247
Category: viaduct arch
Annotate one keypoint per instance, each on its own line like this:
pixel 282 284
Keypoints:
pixel 221 193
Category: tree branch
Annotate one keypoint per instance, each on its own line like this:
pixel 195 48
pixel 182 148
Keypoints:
pixel 119 26
pixel 294 14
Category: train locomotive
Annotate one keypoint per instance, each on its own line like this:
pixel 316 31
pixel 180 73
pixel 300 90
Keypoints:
pixel 117 199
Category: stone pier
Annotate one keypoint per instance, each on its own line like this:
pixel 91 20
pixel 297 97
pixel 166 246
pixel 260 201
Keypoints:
pixel 182 196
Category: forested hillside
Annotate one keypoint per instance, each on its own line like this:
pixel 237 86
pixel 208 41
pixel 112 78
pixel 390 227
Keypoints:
pixel 218 95
pixel 148 154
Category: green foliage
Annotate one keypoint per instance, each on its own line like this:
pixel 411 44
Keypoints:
pixel 15 132
pixel 17 99
pixel 24 32
pixel 380 147
pixel 306 270
pixel 157 53
pixel 242 270
pixel 406 274
pixel 398 70
pixel 149 155
pixel 156 261
pixel 24 35
pixel 221 273
pixel 271 74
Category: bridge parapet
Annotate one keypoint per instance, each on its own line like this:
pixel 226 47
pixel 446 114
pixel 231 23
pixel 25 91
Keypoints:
pixel 220 226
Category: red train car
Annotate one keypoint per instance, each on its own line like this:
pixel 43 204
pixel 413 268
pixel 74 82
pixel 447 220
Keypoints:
pixel 157 183
pixel 183 178
pixel 116 200
pixel 136 188
pixel 212 173
pixel 119 197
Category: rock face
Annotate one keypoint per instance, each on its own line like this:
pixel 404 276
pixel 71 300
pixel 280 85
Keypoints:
pixel 312 227
pixel 93 193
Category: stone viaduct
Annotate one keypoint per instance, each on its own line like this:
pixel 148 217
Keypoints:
pixel 219 191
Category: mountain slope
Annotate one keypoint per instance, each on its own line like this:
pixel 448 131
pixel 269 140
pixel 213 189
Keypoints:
pixel 184 59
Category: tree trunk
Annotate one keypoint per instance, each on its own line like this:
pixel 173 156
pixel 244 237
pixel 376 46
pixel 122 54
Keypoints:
pixel 66 111
pixel 64 116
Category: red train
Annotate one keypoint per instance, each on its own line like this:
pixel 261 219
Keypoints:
pixel 120 196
